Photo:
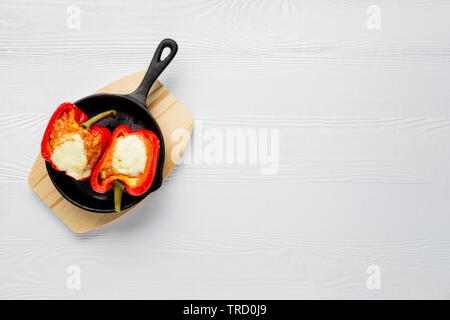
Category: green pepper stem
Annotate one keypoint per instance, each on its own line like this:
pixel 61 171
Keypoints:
pixel 99 117
pixel 118 190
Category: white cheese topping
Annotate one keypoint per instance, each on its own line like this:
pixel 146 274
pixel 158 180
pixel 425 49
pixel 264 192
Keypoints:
pixel 70 156
pixel 130 156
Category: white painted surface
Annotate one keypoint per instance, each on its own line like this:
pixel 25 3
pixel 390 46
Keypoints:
pixel 364 123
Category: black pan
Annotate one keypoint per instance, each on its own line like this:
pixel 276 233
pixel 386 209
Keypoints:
pixel 131 111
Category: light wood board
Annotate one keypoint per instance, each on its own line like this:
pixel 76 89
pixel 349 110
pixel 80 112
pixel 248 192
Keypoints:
pixel 170 115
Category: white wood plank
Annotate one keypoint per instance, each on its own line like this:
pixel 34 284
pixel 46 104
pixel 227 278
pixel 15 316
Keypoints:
pixel 364 123
pixel 310 249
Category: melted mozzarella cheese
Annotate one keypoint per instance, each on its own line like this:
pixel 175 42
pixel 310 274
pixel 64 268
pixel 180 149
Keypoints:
pixel 70 156
pixel 130 156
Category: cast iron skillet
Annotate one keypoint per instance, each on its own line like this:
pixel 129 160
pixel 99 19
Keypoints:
pixel 131 111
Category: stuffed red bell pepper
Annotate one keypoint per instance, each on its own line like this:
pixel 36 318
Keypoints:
pixel 129 161
pixel 72 142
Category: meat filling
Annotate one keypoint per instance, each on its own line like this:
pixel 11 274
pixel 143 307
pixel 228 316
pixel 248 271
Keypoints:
pixel 75 149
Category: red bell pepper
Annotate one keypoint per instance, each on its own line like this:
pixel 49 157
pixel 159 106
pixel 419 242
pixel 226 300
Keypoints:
pixel 106 174
pixel 67 122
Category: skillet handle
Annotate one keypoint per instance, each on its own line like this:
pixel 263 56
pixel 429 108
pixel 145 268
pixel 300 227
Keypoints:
pixel 156 67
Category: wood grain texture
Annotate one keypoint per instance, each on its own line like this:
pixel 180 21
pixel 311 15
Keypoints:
pixel 170 115
pixel 363 119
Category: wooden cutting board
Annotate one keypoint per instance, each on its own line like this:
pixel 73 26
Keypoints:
pixel 170 115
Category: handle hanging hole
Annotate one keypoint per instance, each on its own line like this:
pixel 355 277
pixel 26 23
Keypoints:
pixel 164 53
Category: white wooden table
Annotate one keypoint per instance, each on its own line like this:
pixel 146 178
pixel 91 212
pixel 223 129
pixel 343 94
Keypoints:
pixel 359 94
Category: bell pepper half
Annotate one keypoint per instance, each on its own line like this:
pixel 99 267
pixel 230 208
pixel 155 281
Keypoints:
pixel 129 161
pixel 72 142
